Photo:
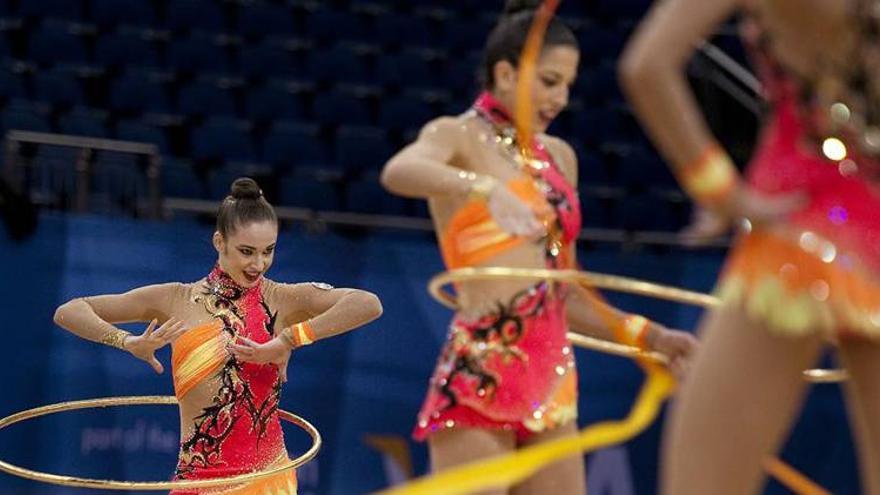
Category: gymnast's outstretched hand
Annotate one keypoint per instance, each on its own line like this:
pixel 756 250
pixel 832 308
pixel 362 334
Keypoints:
pixel 144 346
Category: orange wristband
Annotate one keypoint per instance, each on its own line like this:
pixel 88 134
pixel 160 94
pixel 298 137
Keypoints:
pixel 636 329
pixel 711 178
pixel 299 335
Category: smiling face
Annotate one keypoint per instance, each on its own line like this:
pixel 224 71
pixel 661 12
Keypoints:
pixel 246 253
pixel 556 71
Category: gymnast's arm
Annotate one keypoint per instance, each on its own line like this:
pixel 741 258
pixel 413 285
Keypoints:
pixel 586 313
pixel 309 312
pixel 423 168
pixel 589 315
pixel 94 318
pixel 652 75
pixel 583 311
pixel 329 311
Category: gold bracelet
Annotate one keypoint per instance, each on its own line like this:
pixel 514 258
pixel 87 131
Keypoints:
pixel 298 335
pixel 711 178
pixel 481 186
pixel 115 338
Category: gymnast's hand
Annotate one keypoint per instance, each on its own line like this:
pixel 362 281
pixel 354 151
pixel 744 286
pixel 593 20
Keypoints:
pixel 144 346
pixel 706 225
pixel 514 215
pixel 275 352
pixel 761 208
pixel 678 346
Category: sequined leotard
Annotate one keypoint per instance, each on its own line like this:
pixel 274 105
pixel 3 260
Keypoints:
pixel 819 270
pixel 512 368
pixel 235 428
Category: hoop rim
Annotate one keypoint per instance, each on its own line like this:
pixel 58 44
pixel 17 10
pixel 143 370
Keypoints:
pixel 602 281
pixel 99 484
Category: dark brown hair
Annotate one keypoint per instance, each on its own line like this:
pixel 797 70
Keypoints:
pixel 245 204
pixel 506 41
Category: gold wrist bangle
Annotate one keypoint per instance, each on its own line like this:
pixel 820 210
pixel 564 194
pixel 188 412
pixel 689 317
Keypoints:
pixel 481 188
pixel 115 338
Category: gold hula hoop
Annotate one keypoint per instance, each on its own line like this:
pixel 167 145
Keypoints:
pixel 57 479
pixel 601 281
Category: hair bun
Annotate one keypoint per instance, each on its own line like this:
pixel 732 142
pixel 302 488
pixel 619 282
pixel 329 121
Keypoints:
pixel 245 188
pixel 514 7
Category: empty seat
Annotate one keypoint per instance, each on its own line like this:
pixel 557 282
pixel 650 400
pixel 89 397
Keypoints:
pixel 404 112
pixel 465 35
pixel 266 60
pixel 336 107
pixel 61 9
pixel 112 13
pixel 330 25
pixel 58 87
pixel 261 19
pixel 179 179
pixel 291 144
pixel 126 47
pixel 198 52
pixel 618 10
pixel 221 139
pixel 56 42
pixel 366 195
pixel 135 130
pixel 116 183
pixel 139 92
pixel 407 68
pixel 461 75
pixel 205 98
pixel 271 102
pixel 306 191
pixel 359 148
pixel 11 85
pixel 82 121
pixel 23 115
pixel 53 174
pixel 337 65
pixel 186 15
pixel 599 125
pixel 408 30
